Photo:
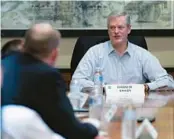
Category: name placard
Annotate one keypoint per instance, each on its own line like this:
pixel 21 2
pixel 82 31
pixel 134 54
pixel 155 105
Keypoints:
pixel 125 93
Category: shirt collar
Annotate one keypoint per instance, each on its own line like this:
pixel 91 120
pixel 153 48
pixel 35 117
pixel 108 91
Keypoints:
pixel 110 48
pixel 129 49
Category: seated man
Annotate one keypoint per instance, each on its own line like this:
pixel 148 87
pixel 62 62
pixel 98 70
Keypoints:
pixel 121 61
pixel 30 80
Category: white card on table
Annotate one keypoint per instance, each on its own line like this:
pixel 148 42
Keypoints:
pixel 147 127
pixel 124 93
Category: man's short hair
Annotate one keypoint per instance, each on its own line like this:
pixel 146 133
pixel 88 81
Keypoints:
pixel 41 43
pixel 12 45
pixel 117 14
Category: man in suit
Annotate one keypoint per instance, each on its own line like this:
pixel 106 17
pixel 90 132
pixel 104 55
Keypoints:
pixel 30 80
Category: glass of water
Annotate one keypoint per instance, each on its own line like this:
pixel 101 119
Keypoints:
pixel 96 101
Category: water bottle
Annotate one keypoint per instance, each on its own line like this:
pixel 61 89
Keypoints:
pixel 98 77
pixel 129 123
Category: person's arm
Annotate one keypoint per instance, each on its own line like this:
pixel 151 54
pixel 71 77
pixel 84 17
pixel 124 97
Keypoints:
pixel 86 68
pixel 62 118
pixel 155 73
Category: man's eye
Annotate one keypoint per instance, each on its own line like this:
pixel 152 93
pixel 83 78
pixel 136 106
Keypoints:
pixel 121 27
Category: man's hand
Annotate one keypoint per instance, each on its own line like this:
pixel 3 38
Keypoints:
pixel 146 90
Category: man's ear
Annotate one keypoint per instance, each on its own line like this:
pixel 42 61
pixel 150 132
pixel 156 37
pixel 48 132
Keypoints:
pixel 55 54
pixel 129 29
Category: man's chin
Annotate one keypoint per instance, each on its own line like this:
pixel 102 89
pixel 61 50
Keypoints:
pixel 117 42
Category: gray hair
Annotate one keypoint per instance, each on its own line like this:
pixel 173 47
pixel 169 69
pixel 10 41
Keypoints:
pixel 117 14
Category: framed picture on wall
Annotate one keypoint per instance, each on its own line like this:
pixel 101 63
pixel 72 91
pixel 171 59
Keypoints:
pixel 75 18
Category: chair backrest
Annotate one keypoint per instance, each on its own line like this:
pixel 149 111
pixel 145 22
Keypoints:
pixel 83 43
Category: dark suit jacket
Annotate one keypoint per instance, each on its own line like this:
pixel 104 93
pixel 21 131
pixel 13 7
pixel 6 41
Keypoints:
pixel 85 42
pixel 32 83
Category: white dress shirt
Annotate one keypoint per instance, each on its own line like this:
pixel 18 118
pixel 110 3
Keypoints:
pixel 20 122
pixel 136 66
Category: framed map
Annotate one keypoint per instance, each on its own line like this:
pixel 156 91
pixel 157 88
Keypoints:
pixel 146 15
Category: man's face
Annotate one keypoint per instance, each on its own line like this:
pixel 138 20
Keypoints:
pixel 118 30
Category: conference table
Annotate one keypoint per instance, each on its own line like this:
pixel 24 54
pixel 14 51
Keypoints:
pixel 164 123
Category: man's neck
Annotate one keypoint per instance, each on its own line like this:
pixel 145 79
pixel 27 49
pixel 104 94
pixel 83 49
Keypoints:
pixel 45 60
pixel 48 61
pixel 121 48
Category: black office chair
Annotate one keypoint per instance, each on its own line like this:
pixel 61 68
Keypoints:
pixel 83 43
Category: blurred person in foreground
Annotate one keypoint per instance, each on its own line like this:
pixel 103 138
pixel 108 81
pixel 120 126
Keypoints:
pixel 20 122
pixel 11 46
pixel 30 80
pixel 120 61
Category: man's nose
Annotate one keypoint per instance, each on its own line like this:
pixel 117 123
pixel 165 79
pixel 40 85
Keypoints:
pixel 116 30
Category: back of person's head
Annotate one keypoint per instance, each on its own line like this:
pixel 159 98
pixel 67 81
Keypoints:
pixel 41 41
pixel 10 46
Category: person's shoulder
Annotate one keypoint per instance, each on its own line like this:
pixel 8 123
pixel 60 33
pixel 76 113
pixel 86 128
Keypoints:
pixel 44 71
pixel 141 53
pixel 138 49
pixel 12 56
pixel 54 75
pixel 100 46
pixel 30 63
pixel 47 69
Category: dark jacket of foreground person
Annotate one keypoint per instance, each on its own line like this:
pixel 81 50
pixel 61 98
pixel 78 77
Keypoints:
pixel 30 82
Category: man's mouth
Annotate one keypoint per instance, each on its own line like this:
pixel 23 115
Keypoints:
pixel 116 37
